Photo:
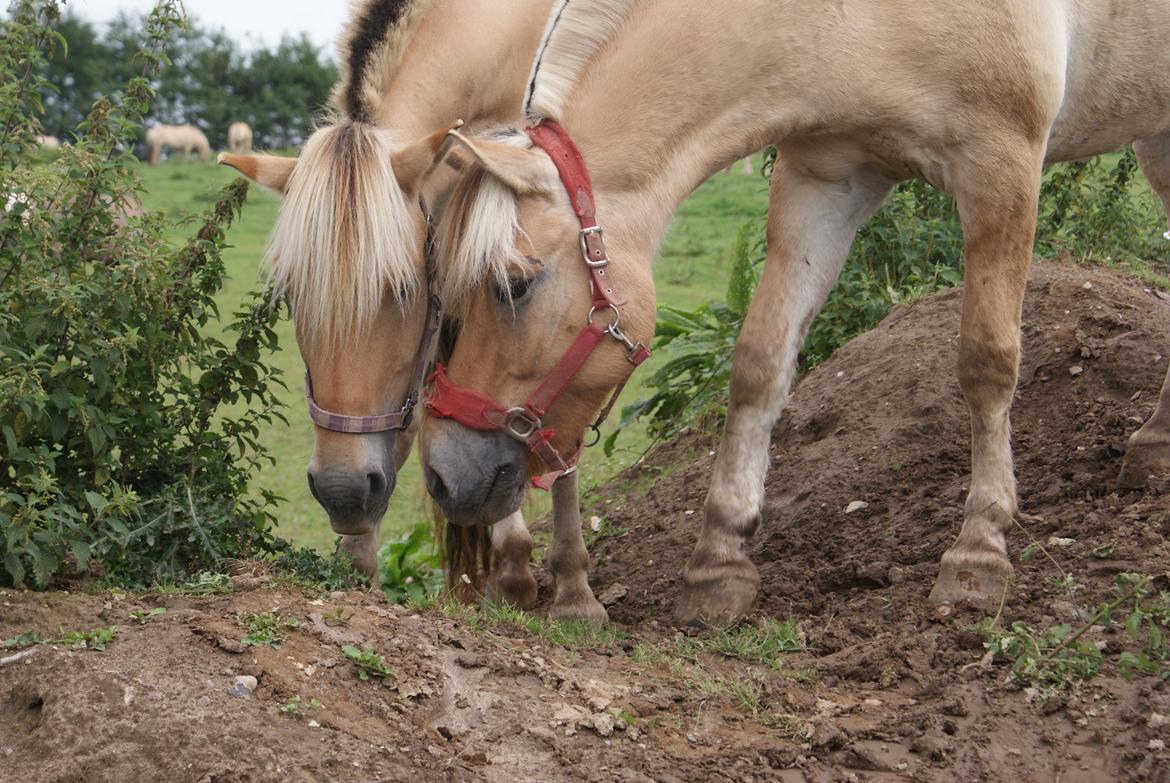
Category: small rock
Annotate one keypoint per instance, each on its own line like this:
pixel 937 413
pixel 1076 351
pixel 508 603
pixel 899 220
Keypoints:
pixel 1058 541
pixel 616 592
pixel 856 505
pixel 230 645
pixel 595 523
pixel 1075 370
pixel 933 746
pixel 1156 720
pixel 314 724
pixel 602 724
pixel 1087 286
pixel 243 686
pixel 1156 745
pixel 471 661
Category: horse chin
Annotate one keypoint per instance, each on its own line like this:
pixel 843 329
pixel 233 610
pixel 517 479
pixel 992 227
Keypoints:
pixel 355 526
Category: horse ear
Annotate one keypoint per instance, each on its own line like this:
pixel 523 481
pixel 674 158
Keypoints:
pixel 414 162
pixel 523 170
pixel 270 171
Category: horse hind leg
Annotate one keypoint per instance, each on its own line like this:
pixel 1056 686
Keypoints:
pixel 1148 452
pixel 511 580
pixel 1147 455
pixel 1153 156
pixel 811 224
pixel 997 202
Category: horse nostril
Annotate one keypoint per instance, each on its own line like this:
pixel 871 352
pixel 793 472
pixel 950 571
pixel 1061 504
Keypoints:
pixel 313 486
pixel 377 484
pixel 437 489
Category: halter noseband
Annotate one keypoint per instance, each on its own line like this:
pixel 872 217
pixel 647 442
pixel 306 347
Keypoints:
pixel 401 418
pixel 524 423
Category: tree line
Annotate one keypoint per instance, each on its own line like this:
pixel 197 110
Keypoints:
pixel 210 81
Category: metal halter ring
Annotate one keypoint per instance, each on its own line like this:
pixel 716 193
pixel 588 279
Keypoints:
pixel 595 434
pixel 525 416
pixel 617 316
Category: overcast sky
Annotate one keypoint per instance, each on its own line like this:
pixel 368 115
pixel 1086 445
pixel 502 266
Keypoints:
pixel 254 22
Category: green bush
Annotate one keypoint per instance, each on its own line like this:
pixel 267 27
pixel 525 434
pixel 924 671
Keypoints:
pixel 121 444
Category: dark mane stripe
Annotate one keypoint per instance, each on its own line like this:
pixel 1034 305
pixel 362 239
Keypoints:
pixel 373 27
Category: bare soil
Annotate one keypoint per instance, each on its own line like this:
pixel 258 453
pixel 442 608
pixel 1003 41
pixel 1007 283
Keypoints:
pixel 886 691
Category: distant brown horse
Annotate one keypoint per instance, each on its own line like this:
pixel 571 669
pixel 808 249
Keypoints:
pixel 239 138
pixel 974 96
pixel 184 138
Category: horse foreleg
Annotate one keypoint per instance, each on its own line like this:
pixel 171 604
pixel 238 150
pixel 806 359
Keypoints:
pixel 1148 452
pixel 997 201
pixel 568 559
pixel 811 225
pixel 363 553
pixel 511 580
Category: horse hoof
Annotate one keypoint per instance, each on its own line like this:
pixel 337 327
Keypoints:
pixel 720 601
pixel 979 579
pixel 583 609
pixel 515 588
pixel 1143 461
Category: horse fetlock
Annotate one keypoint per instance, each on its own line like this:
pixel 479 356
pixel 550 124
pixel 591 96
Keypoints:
pixel 515 586
pixel 976 576
pixel 717 592
pixel 1146 456
pixel 736 516
pixel 578 604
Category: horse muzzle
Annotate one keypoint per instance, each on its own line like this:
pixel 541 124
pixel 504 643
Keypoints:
pixel 354 499
pixel 477 478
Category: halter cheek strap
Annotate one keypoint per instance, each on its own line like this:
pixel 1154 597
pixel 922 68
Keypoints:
pixel 524 423
pixel 401 418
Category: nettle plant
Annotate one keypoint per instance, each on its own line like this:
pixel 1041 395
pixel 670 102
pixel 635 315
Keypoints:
pixel 120 442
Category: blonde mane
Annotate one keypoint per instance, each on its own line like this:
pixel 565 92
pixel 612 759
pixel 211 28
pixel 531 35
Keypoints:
pixel 577 30
pixel 344 234
pixel 370 50
pixel 478 233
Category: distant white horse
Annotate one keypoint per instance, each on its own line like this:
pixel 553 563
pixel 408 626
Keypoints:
pixel 187 138
pixel 49 142
pixel 239 138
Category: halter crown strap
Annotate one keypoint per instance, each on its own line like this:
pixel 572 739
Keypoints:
pixel 477 411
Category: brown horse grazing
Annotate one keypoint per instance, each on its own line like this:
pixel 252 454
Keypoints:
pixel 974 96
pixel 348 246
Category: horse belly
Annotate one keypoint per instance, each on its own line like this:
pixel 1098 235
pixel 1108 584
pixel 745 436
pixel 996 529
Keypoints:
pixel 1117 78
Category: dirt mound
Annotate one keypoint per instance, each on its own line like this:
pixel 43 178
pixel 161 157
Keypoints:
pixel 883 692
pixel 884 422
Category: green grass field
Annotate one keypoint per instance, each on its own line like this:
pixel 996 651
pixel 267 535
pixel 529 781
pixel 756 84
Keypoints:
pixel 691 269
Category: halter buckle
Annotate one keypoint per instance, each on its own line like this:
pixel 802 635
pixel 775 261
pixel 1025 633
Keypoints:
pixel 593 247
pixel 520 424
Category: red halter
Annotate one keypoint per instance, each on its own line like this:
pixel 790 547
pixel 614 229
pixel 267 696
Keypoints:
pixel 524 423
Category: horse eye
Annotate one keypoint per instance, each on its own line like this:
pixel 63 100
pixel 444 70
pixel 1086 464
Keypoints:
pixel 518 288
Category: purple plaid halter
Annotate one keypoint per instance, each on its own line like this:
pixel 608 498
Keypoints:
pixel 401 418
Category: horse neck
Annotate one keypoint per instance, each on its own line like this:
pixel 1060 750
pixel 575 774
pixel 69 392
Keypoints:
pixel 468 60
pixel 662 107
